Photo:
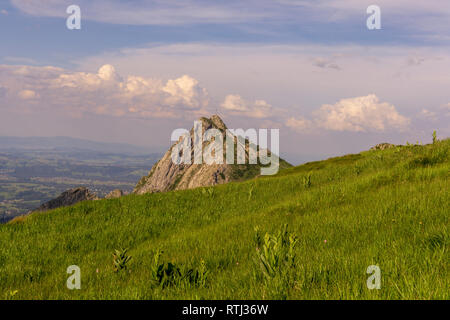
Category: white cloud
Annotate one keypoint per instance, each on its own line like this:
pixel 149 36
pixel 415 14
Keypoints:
pixel 283 73
pixel 299 124
pixel 360 114
pixel 365 113
pixel 104 92
pixel 235 105
pixel 186 91
pixel 234 102
pixel 286 75
pixel 108 73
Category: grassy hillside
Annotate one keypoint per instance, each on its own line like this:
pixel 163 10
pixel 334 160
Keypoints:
pixel 388 208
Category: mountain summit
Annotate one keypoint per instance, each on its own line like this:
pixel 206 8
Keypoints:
pixel 166 175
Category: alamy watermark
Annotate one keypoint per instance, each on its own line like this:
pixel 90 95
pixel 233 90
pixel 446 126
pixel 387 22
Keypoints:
pixel 74 20
pixel 213 151
pixel 374 280
pixel 74 281
pixel 373 22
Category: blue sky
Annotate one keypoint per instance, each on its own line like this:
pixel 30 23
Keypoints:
pixel 40 26
pixel 310 68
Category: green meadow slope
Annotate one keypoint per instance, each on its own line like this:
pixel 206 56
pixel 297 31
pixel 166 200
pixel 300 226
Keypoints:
pixel 387 208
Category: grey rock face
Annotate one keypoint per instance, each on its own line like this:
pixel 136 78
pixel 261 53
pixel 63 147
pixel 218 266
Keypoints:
pixel 68 198
pixel 167 176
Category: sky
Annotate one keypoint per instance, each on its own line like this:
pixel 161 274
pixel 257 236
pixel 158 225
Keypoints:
pixel 137 70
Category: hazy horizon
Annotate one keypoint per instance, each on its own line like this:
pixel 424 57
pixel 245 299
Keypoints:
pixel 136 149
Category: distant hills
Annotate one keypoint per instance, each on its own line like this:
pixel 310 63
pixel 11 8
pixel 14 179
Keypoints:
pixel 68 143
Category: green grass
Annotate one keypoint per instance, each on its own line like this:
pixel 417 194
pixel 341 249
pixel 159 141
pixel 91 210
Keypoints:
pixel 388 208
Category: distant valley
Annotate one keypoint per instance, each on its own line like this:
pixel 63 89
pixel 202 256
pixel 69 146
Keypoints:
pixel 35 170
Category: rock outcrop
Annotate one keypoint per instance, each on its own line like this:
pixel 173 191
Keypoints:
pixel 116 193
pixel 165 175
pixel 68 198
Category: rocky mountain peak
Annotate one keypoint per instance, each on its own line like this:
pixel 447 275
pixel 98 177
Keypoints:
pixel 166 175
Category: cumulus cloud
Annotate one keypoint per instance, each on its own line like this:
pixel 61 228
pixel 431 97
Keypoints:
pixel 235 105
pixel 299 124
pixel 185 91
pixel 104 92
pixel 360 114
